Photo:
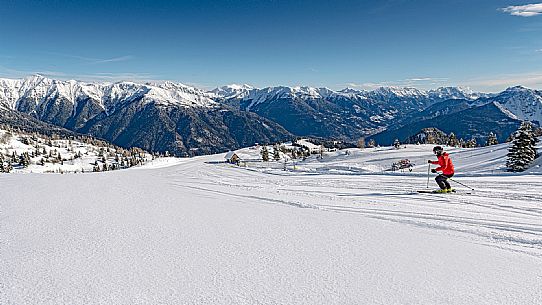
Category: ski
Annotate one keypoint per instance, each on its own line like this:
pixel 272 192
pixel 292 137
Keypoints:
pixel 435 192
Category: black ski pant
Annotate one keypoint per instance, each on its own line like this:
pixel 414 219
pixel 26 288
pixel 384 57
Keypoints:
pixel 442 181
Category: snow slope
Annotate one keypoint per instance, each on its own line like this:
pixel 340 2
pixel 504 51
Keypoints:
pixel 467 161
pixel 62 155
pixel 204 232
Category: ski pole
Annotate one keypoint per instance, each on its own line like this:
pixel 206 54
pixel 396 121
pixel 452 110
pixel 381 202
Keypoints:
pixel 428 170
pixel 461 184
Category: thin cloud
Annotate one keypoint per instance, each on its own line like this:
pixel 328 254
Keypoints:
pixel 93 60
pixel 116 77
pixel 15 73
pixel 92 77
pixel 422 82
pixel 102 61
pixel 114 59
pixel 500 82
pixel 528 10
pixel 421 79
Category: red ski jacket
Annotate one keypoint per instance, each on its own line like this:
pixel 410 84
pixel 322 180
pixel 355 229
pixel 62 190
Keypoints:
pixel 445 164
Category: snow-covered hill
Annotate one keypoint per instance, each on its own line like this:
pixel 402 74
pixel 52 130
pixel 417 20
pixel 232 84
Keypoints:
pixel 480 161
pixel 337 230
pixel 33 153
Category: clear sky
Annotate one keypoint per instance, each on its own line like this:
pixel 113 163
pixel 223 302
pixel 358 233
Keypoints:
pixel 487 45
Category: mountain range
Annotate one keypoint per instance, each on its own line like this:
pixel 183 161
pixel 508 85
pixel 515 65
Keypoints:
pixel 189 121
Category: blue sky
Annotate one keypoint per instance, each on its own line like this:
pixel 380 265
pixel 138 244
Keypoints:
pixel 487 45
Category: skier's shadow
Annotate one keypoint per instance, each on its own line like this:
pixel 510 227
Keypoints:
pixel 406 193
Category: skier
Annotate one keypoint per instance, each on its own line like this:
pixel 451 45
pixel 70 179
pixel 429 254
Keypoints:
pixel 445 166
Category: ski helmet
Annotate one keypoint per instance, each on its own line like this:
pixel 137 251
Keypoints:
pixel 438 150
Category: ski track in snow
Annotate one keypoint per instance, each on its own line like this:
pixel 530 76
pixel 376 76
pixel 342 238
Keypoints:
pixel 202 233
pixel 484 213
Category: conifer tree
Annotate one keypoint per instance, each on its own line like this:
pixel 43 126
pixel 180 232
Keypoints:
pixel 396 144
pixel 492 139
pixel 24 159
pixel 7 167
pixel 522 150
pixel 452 140
pixel 471 143
pixel 265 154
pixel 430 139
pixel 276 153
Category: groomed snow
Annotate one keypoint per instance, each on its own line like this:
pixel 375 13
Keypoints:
pixel 203 232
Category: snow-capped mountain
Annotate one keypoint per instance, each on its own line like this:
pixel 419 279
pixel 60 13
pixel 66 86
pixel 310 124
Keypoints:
pixel 187 120
pixel 524 103
pixel 347 113
pixel 31 92
pixel 455 93
pixel 256 95
pixel 232 91
pixel 157 117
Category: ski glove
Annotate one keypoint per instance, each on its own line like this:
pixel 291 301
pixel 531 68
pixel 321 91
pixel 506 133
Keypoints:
pixel 429 161
pixel 434 171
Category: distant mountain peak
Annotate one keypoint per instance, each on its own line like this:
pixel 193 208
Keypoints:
pixel 232 91
pixel 349 90
pixel 39 89
pixel 240 87
pixel 517 88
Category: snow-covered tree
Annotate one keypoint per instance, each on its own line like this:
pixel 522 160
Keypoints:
pixel 522 150
pixel 24 159
pixel 372 143
pixel 396 144
pixel 5 166
pixel 471 143
pixel 452 140
pixel 430 139
pixel 492 139
pixel 265 153
pixel 276 153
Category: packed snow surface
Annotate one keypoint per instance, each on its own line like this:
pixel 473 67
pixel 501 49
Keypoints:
pixel 340 230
